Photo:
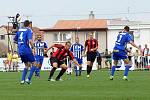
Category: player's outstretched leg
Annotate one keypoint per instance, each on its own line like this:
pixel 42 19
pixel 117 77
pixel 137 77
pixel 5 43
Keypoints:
pixel 37 72
pixel 80 71
pixel 76 70
pixel 24 73
pixel 113 69
pixel 89 69
pixel 51 74
pixel 33 68
pixel 127 67
pixel 58 78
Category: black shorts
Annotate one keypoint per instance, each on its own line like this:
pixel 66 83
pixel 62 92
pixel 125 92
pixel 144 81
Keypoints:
pixel 54 60
pixel 91 56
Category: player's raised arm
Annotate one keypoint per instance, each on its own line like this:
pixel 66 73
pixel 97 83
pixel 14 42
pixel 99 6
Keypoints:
pixel 73 59
pixel 76 63
pixel 55 45
pixel 48 49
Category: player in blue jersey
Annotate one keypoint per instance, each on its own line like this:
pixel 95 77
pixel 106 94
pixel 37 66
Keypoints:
pixel 77 50
pixel 23 38
pixel 40 48
pixel 119 51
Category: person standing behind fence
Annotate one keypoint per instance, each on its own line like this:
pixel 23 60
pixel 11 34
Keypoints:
pixel 137 59
pixel 9 59
pixel 15 61
pixel 145 54
pixel 99 60
pixel 77 50
pixel 108 56
pixel 92 45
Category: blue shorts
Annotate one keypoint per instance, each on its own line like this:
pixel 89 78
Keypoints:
pixel 119 54
pixel 27 58
pixel 80 61
pixel 39 59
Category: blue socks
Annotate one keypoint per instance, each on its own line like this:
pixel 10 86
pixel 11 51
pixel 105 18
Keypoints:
pixel 33 68
pixel 37 71
pixel 24 73
pixel 126 70
pixel 113 69
pixel 76 71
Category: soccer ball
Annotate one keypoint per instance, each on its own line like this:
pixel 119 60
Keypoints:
pixel 69 71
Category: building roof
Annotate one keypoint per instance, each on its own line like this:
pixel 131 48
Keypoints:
pixel 89 24
pixel 35 30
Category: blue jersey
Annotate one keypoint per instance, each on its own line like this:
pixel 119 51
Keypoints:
pixel 77 50
pixel 122 40
pixel 22 38
pixel 39 48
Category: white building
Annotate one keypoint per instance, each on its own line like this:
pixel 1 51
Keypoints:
pixel 141 32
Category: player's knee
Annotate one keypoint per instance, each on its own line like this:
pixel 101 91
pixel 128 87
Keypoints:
pixel 55 65
pixel 64 66
pixel 126 61
pixel 27 65
pixel 88 62
pixel 34 63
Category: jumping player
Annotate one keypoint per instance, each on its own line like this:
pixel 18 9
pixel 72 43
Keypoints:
pixel 57 59
pixel 120 52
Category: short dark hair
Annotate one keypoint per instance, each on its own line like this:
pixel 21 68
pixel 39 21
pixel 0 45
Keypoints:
pixel 127 28
pixel 68 42
pixel 26 23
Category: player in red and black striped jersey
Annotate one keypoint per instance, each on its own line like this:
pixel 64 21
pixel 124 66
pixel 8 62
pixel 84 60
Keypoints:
pixel 57 59
pixel 91 45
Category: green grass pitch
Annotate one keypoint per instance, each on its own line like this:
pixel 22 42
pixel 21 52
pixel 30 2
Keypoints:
pixel 98 87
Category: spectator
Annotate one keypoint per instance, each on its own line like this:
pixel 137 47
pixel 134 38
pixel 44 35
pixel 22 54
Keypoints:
pixel 145 54
pixel 9 59
pixel 15 61
pixel 108 58
pixel 140 59
pixel 137 59
pixel 130 53
pixel 99 60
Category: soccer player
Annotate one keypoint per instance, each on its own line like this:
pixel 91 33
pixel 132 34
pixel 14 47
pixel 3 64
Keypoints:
pixel 40 48
pixel 120 52
pixel 23 38
pixel 92 45
pixel 57 59
pixel 77 50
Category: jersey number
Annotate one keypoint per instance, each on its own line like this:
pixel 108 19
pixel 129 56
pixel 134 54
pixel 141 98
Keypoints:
pixel 119 39
pixel 21 36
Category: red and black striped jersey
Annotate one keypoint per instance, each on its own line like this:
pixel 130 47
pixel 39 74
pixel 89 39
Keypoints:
pixel 90 44
pixel 62 53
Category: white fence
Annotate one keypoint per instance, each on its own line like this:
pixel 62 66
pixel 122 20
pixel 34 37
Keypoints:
pixel 46 64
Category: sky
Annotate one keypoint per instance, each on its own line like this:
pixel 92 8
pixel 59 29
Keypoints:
pixel 45 13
